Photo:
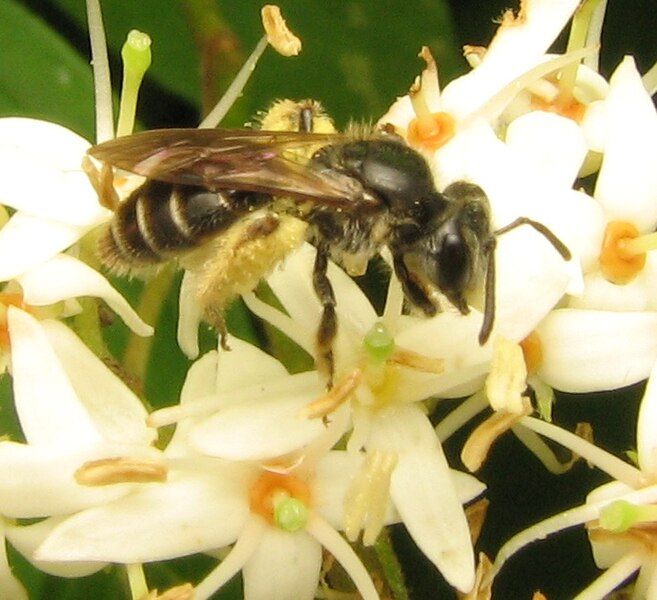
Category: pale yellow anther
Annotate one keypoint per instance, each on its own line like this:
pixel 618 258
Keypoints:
pixel 474 54
pixel 366 502
pixel 507 379
pixel 108 471
pixel 484 574
pixel 334 398
pixel 278 34
pixel 479 443
pixel 416 361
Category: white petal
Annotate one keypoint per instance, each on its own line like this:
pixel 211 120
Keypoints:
pixel 27 241
pixel 531 277
pixel 10 586
pixel 400 113
pixel 467 486
pixel 586 350
pixel 117 413
pixel 47 404
pixel 246 365
pixel 66 277
pixel 553 146
pixel 627 183
pixel 37 481
pixel 190 315
pixel 334 474
pixel 46 143
pixel 26 540
pixel 423 491
pixel 188 514
pixel 292 285
pixel 600 294
pixel 516 48
pixel 259 429
pixel 285 566
pixel 646 433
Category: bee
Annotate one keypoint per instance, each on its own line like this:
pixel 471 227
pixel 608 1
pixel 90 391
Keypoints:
pixel 353 194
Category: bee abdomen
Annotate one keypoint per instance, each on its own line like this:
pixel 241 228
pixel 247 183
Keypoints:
pixel 159 221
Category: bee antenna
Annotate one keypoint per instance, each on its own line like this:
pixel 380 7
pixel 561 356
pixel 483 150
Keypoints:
pixel 547 233
pixel 489 292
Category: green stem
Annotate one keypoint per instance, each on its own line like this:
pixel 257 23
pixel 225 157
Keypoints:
pixel 390 566
pixel 138 349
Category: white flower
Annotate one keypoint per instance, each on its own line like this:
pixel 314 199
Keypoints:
pixel 388 420
pixel 620 515
pixel 278 515
pixel 72 411
pixel 42 178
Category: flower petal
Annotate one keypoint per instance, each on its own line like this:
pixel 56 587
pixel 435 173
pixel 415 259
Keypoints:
pixel 246 365
pixel 285 566
pixel 627 182
pixel 190 315
pixel 424 493
pixel 646 433
pixel 10 586
pixel 191 513
pixel 26 539
pixel 37 481
pixel 549 144
pixel 517 46
pixel 261 428
pixel 64 277
pixel 27 241
pixel 587 350
pixel 47 404
pixel 117 413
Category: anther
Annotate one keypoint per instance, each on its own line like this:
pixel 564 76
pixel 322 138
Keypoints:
pixel 108 471
pixel 329 402
pixel 418 362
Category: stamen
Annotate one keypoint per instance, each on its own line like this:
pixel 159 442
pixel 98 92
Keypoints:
pixel 108 471
pixel 281 499
pixel 326 404
pixel 507 379
pixel 416 361
pixel 479 443
pixel 136 55
pixel 100 64
pixel 137 581
pixel 619 516
pixel 474 54
pixel 622 259
pixel 278 33
pixel 367 499
pixel 476 516
pixel 577 39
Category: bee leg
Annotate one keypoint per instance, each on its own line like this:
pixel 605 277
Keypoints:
pixel 415 293
pixel 102 180
pixel 328 324
pixel 489 291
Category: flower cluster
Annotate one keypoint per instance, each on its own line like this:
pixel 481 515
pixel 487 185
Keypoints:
pixel 273 474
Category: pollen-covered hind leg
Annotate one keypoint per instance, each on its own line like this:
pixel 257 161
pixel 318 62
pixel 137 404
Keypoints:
pixel 328 325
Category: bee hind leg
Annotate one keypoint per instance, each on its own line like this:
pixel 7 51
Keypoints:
pixel 328 324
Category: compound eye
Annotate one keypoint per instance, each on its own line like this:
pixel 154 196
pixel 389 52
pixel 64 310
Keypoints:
pixel 454 264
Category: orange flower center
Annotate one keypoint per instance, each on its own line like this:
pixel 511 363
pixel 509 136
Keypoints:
pixel 431 131
pixel 569 108
pixel 7 300
pixel 618 264
pixel 532 351
pixel 270 488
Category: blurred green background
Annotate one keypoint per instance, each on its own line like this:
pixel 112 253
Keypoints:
pixel 358 56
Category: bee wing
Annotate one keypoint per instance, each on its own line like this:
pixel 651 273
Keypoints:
pixel 251 160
